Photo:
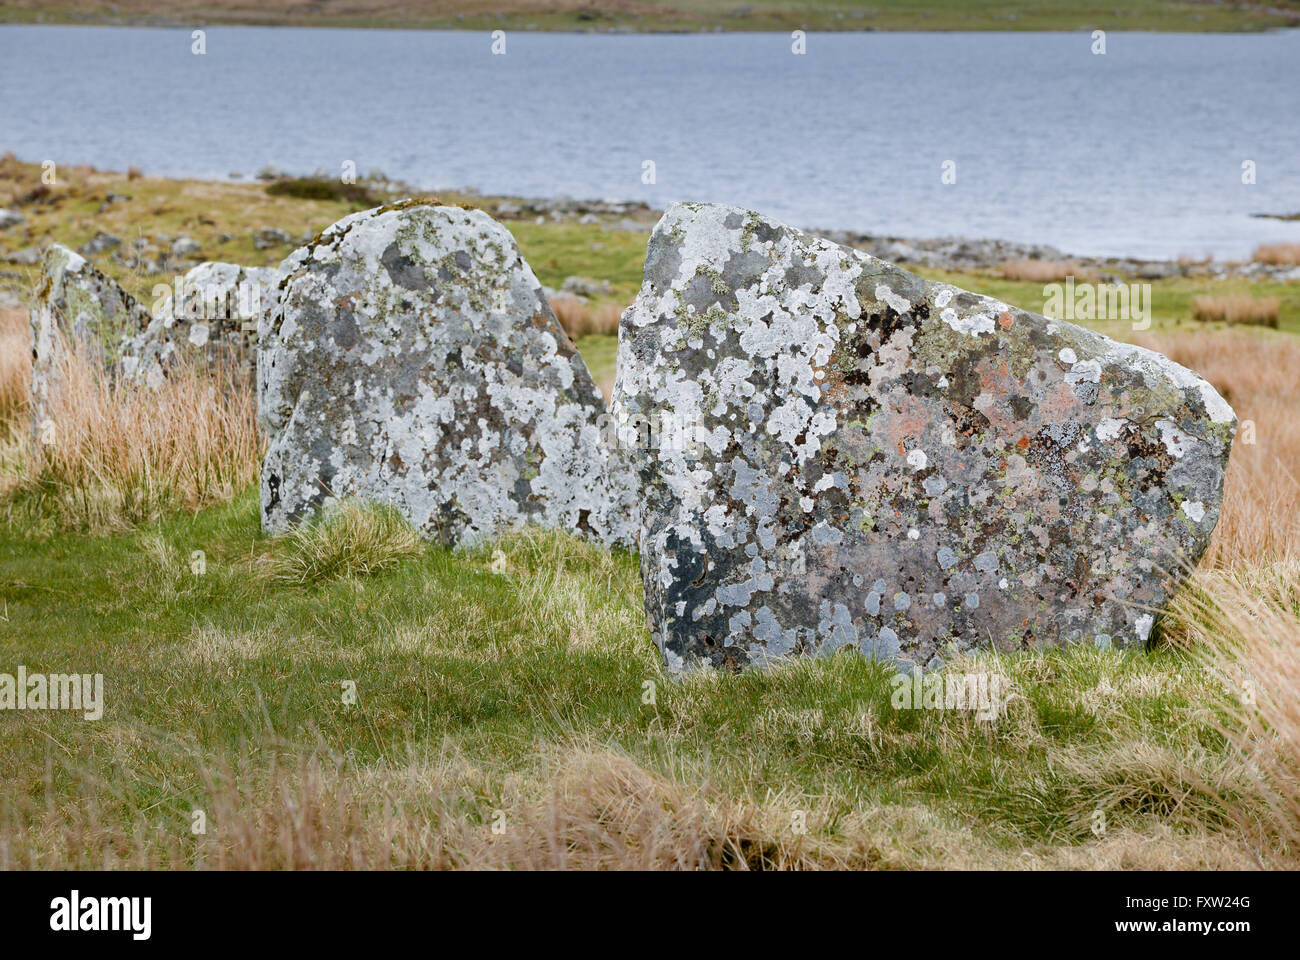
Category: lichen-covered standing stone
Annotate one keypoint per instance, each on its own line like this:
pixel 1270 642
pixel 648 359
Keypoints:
pixel 75 306
pixel 837 453
pixel 207 315
pixel 412 359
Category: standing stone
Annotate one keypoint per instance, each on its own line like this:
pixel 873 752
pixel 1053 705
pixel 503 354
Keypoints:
pixel 837 453
pixel 412 359
pixel 75 303
pixel 210 315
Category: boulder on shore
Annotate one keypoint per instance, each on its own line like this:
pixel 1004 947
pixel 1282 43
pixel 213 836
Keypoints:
pixel 411 359
pixel 836 453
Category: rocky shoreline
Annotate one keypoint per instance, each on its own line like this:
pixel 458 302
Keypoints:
pixel 967 254
pixel 176 254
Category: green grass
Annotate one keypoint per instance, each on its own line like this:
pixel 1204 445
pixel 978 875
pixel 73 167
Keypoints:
pixel 691 15
pixel 504 655
pixel 557 251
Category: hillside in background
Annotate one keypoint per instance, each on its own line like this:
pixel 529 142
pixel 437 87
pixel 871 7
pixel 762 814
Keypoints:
pixel 674 15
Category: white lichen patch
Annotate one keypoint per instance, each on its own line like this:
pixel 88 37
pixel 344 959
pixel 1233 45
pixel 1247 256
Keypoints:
pixel 972 324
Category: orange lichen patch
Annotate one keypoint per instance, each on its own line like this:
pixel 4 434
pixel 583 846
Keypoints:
pixel 1059 403
pixel 1023 443
pixel 999 386
pixel 1005 320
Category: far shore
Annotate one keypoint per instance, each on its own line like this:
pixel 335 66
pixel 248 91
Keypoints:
pixel 978 254
pixel 675 16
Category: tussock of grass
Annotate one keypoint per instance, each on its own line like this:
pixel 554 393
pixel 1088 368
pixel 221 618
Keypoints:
pixel 1243 626
pixel 317 188
pixel 123 454
pixel 580 319
pixel 15 365
pixel 350 540
pixel 1243 309
pixel 1278 254
pixel 1042 271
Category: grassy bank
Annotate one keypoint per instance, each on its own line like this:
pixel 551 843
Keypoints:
pixel 679 15
pixel 352 697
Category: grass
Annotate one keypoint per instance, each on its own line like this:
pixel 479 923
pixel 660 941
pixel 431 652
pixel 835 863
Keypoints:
pixel 15 364
pixel 680 15
pixel 119 456
pixel 509 686
pixel 1255 371
pixel 580 320
pixel 349 696
pixel 1252 311
pixel 317 188
pixel 350 540
pixel 1279 254
pixel 1042 271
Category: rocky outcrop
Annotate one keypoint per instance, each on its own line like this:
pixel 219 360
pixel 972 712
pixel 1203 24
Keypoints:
pixel 75 305
pixel 411 359
pixel 836 453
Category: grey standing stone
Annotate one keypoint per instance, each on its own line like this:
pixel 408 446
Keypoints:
pixel 75 303
pixel 210 316
pixel 411 359
pixel 837 453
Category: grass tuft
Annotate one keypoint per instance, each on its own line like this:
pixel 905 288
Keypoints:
pixel 1278 254
pixel 579 319
pixel 318 188
pixel 350 540
pixel 1042 271
pixel 1243 309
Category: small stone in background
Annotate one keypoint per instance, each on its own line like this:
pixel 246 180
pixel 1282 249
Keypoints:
pixel 267 237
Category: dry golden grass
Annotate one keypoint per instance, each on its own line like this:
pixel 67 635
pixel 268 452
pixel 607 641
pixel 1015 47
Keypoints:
pixel 1042 271
pixel 1243 623
pixel 1257 375
pixel 590 806
pixel 15 364
pixel 1243 308
pixel 123 454
pixel 579 320
pixel 1278 254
